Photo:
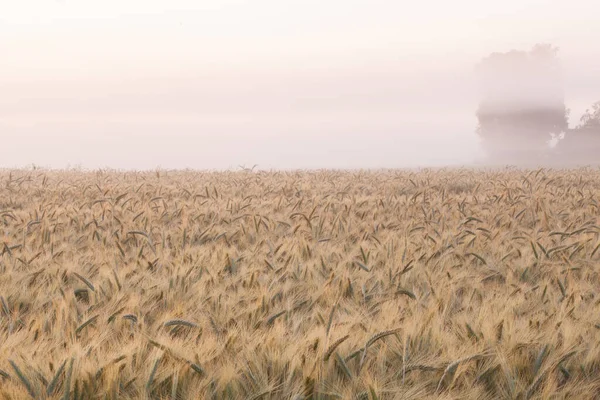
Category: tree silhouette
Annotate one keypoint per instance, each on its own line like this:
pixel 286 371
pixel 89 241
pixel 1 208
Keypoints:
pixel 521 103
pixel 591 119
pixel 582 144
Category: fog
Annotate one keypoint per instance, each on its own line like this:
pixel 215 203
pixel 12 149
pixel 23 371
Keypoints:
pixel 281 84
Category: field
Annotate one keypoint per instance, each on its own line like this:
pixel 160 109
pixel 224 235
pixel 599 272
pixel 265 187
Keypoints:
pixel 451 284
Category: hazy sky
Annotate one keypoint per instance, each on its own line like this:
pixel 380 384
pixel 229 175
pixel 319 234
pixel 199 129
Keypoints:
pixel 279 83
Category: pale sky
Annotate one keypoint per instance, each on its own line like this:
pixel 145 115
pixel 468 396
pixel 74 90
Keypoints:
pixel 278 83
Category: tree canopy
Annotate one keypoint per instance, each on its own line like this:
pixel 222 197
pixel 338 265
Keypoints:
pixel 521 103
pixel 591 119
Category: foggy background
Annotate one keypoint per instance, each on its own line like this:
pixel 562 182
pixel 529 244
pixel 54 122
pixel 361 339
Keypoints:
pixel 282 84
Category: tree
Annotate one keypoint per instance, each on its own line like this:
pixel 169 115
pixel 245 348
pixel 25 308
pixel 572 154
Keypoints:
pixel 581 145
pixel 521 103
pixel 591 119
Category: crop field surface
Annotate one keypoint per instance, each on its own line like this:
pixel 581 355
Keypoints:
pixel 449 284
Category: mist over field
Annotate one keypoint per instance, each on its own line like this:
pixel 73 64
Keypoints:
pixel 229 199
pixel 279 84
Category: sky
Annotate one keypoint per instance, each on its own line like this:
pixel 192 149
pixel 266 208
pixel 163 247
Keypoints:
pixel 133 84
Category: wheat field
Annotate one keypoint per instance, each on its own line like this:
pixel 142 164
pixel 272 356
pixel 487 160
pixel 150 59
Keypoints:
pixel 450 284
